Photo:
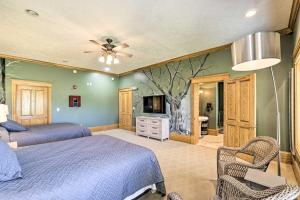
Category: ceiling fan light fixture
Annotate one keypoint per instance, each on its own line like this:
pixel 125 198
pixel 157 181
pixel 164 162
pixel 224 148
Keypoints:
pixel 116 61
pixel 109 62
pixel 101 59
pixel 109 58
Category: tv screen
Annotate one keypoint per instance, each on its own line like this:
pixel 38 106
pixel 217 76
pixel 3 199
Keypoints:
pixel 155 104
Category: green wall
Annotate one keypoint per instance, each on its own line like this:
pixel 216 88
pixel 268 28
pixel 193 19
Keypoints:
pixel 220 62
pixel 99 102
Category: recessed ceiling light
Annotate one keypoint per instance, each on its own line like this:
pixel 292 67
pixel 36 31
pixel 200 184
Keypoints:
pixel 250 13
pixel 64 61
pixel 32 13
pixel 107 69
pixel 75 71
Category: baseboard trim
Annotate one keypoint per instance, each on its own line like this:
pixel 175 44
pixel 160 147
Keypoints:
pixel 103 127
pixel 296 169
pixel 180 138
pixel 285 157
pixel 212 132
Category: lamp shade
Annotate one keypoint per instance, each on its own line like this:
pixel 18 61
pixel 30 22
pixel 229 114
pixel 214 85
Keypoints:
pixel 256 51
pixel 3 112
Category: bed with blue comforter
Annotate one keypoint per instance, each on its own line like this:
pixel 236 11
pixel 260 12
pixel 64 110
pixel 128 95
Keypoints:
pixel 89 168
pixel 39 134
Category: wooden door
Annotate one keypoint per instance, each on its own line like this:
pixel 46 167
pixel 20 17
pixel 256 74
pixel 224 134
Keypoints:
pixel 125 109
pixel 239 110
pixel 31 103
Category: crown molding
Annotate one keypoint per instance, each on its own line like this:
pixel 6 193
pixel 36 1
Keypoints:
pixel 31 60
pixel 294 14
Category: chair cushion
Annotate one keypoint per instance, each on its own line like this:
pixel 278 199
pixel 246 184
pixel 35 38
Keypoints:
pixel 13 126
pixel 9 166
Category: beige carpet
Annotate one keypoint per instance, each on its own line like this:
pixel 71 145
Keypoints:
pixel 188 169
pixel 211 141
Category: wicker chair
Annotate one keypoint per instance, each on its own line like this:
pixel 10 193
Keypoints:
pixel 263 149
pixel 229 188
pixel 174 196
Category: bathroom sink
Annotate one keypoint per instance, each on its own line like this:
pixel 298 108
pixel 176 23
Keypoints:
pixel 203 118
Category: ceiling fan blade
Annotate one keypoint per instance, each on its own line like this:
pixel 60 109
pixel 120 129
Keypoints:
pixel 121 46
pixel 95 42
pixel 120 53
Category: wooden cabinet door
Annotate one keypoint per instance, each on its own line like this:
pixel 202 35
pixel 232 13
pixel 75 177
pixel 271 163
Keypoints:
pixel 239 111
pixel 125 109
pixel 31 105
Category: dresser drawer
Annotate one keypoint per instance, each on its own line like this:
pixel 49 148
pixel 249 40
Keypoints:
pixel 142 125
pixel 154 122
pixel 141 131
pixel 155 131
pixel 154 128
pixel 155 134
pixel 141 120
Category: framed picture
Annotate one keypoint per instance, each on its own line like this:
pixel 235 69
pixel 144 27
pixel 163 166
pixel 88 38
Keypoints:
pixel 74 101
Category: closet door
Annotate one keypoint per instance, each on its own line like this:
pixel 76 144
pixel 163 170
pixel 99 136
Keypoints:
pixel 31 104
pixel 125 109
pixel 239 111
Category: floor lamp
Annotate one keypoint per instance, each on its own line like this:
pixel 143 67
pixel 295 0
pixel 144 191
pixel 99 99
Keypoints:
pixel 257 51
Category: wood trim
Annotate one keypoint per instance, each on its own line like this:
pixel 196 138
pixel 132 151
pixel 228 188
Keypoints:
pixel 196 100
pixel 285 31
pixel 192 55
pixel 212 132
pixel 104 127
pixel 15 82
pixel 296 50
pixel 285 156
pixel 31 83
pixel 180 138
pixel 51 64
pixel 294 13
pixel 211 78
pixel 296 169
pixel 125 89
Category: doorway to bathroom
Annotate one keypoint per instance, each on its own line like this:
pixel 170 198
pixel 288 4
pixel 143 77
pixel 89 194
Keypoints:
pixel 239 109
pixel 208 110
pixel 211 114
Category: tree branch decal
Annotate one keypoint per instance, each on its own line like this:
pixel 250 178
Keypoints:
pixel 174 96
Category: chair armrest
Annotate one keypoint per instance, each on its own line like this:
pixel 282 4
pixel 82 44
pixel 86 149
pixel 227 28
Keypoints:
pixel 238 169
pixel 174 196
pixel 230 188
pixel 227 152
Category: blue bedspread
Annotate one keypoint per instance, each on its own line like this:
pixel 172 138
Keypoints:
pixel 90 168
pixel 40 134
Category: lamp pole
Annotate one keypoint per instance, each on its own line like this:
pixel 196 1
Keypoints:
pixel 277 121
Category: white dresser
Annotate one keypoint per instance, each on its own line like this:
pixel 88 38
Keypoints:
pixel 153 127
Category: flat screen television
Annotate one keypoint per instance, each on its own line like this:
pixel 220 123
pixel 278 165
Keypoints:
pixel 154 104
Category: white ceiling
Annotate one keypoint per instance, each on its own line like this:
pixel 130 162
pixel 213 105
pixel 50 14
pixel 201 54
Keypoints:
pixel 156 30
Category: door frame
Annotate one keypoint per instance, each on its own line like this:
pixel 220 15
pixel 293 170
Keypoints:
pixel 295 111
pixel 195 100
pixel 15 82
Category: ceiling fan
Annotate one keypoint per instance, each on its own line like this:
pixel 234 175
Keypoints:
pixel 109 51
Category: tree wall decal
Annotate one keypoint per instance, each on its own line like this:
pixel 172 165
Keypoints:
pixel 174 82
